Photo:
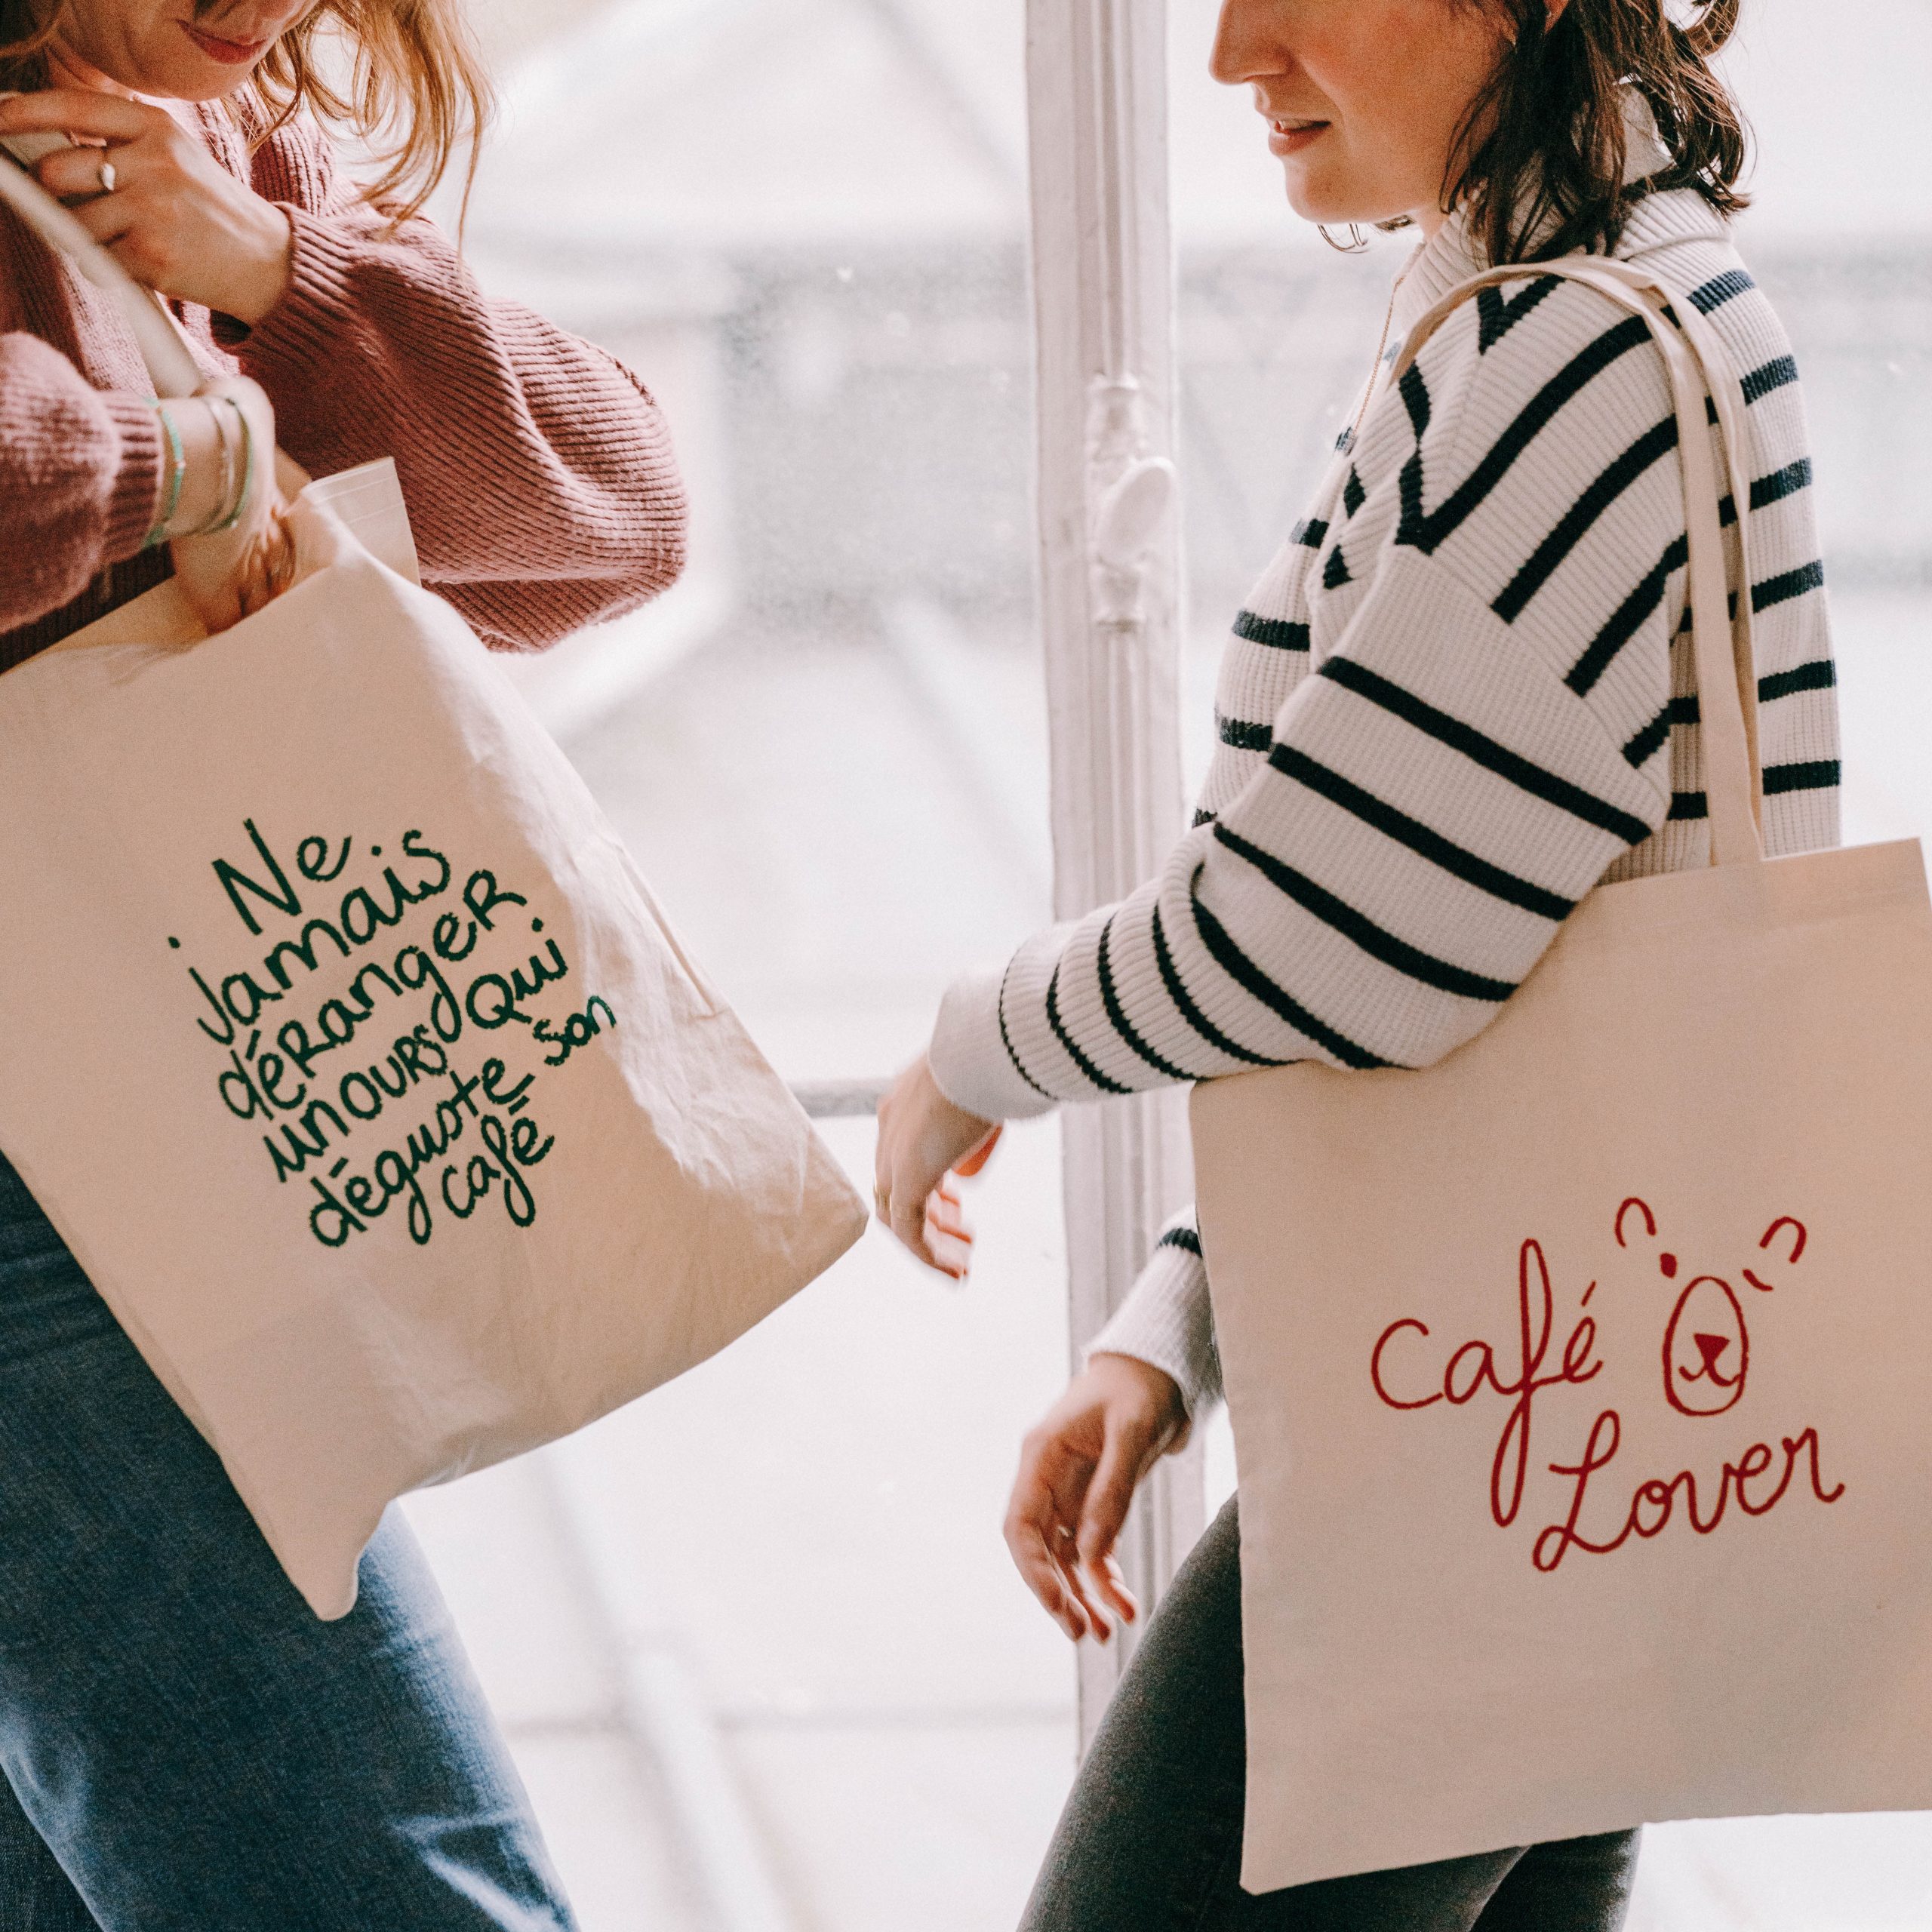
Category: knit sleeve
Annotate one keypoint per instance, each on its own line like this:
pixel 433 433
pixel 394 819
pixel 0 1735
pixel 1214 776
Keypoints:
pixel 538 470
pixel 80 471
pixel 1467 763
pixel 1167 1321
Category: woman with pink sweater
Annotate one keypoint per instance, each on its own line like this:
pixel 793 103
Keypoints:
pixel 186 1748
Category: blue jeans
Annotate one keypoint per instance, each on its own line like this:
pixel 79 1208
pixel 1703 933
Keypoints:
pixel 188 1749
pixel 1150 1838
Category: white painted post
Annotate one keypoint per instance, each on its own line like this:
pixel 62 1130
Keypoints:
pixel 1103 292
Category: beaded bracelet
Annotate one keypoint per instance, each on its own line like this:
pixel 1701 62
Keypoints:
pixel 227 493
pixel 177 457
pixel 247 490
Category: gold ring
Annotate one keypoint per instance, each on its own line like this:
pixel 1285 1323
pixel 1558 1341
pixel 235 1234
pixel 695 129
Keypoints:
pixel 109 178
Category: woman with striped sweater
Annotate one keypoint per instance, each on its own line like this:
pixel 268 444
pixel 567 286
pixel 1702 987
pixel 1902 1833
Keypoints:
pixel 1461 696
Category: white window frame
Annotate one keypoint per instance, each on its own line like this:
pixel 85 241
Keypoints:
pixel 1110 612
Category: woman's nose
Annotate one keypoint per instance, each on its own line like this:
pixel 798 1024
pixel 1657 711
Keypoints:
pixel 1247 45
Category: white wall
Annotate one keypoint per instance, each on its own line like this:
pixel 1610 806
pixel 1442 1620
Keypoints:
pixel 1836 91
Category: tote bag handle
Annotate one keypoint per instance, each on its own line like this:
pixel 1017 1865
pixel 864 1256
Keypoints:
pixel 1698 366
pixel 170 366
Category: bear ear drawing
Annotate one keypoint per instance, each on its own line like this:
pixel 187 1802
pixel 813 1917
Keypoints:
pixel 1799 1238
pixel 1667 1264
pixel 1623 1214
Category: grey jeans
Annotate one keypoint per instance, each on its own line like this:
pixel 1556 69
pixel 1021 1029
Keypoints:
pixel 1150 1839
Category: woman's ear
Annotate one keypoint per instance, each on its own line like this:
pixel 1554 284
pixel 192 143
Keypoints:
pixel 1556 9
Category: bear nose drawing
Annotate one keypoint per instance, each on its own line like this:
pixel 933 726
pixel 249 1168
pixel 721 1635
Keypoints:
pixel 1711 1347
pixel 1706 1349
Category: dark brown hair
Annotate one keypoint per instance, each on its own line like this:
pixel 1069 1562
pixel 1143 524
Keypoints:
pixel 1542 158
pixel 413 88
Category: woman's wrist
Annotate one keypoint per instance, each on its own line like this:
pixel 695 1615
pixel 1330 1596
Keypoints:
pixel 208 461
pixel 256 286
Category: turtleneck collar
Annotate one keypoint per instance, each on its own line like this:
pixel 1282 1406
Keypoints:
pixel 1454 254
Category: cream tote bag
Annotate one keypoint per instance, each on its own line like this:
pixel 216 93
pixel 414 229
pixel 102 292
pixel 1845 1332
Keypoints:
pixel 346 1048
pixel 1580 1383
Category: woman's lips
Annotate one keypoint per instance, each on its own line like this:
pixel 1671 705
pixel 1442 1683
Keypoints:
pixel 229 53
pixel 1286 137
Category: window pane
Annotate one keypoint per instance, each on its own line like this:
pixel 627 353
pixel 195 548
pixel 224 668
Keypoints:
pixel 1277 335
pixel 803 223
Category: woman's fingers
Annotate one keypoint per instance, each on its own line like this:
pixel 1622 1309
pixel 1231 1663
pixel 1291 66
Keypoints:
pixel 1113 1585
pixel 1038 1530
pixel 1077 1473
pixel 1069 1471
pixel 110 220
pixel 1032 1557
pixel 230 574
pixel 1056 1466
pixel 921 1135
pixel 175 219
pixel 946 1215
pixel 267 569
pixel 76 174
pixel 108 117
pixel 1124 1456
pixel 1081 1584
pixel 947 1237
pixel 936 1234
pixel 908 1223
pixel 1029 1529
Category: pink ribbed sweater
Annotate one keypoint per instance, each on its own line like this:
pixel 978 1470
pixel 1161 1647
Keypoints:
pixel 537 470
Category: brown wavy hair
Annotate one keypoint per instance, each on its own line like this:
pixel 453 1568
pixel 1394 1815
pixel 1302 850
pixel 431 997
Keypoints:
pixel 413 88
pixel 1542 155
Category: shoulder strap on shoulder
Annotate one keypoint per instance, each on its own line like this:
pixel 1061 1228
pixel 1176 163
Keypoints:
pixel 1703 383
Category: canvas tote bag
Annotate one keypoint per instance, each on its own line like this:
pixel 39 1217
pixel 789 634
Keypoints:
pixel 345 1046
pixel 1579 1383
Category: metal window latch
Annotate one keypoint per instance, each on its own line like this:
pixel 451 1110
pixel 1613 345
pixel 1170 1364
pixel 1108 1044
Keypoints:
pixel 1132 495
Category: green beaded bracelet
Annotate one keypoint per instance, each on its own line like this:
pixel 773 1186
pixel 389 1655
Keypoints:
pixel 178 458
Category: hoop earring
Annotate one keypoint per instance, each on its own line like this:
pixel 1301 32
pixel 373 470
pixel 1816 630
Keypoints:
pixel 1356 244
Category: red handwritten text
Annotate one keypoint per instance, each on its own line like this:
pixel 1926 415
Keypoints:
pixel 1653 1503
pixel 1473 1368
pixel 1706 1360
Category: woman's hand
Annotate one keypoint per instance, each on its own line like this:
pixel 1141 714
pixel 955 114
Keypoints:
pixel 230 574
pixel 174 218
pixel 922 1138
pixel 1078 1470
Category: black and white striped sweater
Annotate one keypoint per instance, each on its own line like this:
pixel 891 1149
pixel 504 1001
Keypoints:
pixel 1461 696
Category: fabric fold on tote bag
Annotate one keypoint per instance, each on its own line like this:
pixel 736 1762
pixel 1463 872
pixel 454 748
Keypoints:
pixel 1578 1382
pixel 348 1050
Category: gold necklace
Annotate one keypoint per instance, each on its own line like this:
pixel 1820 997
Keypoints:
pixel 1373 390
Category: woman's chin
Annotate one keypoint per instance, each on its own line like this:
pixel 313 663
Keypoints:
pixel 1322 209
pixel 194 77
pixel 1317 195
pixel 1317 201
pixel 1339 211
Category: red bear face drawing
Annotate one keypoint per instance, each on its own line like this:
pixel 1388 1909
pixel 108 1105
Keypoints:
pixel 1707 1341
